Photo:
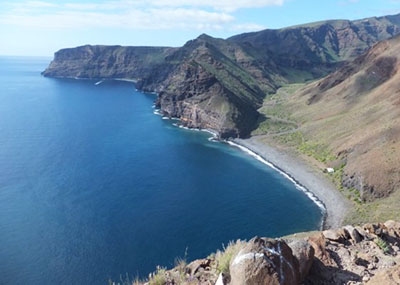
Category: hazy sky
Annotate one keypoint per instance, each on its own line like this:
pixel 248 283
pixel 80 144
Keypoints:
pixel 43 27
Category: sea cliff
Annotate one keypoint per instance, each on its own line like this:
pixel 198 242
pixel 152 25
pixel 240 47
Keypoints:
pixel 219 84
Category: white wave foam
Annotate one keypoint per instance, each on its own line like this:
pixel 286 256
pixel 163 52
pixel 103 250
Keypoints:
pixel 183 127
pixel 214 134
pixel 297 184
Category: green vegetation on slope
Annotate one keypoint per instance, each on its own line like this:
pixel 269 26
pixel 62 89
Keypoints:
pixel 316 146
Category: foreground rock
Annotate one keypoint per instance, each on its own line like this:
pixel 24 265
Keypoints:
pixel 367 254
pixel 265 261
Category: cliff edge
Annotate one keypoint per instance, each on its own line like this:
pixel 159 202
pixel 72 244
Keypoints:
pixel 367 254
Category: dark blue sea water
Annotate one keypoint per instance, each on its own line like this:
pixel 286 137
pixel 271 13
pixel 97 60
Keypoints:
pixel 94 185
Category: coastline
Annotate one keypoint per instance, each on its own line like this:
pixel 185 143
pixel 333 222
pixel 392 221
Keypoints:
pixel 319 189
pixel 308 179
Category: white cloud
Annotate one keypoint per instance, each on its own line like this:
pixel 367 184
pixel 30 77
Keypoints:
pixel 39 4
pixel 247 27
pixel 134 19
pixel 224 5
pixel 131 14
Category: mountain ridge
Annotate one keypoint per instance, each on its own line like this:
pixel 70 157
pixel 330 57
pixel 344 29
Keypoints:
pixel 236 73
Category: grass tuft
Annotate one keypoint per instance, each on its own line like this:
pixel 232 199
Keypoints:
pixel 224 257
pixel 158 277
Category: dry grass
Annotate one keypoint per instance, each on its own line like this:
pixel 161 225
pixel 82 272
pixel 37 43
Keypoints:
pixel 363 127
pixel 158 277
pixel 380 210
pixel 223 258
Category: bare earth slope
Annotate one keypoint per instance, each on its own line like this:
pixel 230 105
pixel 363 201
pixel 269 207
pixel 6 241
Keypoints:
pixel 358 117
pixel 350 119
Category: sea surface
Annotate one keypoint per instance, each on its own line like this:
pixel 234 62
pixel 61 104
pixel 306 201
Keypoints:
pixel 94 185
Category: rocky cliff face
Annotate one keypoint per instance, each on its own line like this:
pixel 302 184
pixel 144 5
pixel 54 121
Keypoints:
pixel 219 84
pixel 107 62
pixel 208 90
pixel 367 254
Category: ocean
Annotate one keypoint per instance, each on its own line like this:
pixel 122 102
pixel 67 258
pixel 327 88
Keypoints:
pixel 94 185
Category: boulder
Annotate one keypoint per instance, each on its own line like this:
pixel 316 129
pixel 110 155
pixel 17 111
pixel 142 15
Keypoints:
pixel 304 253
pixel 393 228
pixel 265 261
pixel 318 242
pixel 197 265
pixel 374 228
pixel 363 233
pixel 338 235
pixel 353 233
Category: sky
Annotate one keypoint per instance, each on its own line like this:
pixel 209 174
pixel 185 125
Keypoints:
pixel 40 28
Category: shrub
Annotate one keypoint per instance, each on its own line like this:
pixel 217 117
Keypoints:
pixel 383 245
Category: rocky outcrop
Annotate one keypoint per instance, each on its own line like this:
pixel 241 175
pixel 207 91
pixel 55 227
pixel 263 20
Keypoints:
pixel 368 254
pixel 208 90
pixel 304 253
pixel 355 255
pixel 265 261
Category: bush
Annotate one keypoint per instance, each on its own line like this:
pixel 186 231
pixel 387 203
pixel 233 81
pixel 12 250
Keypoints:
pixel 383 245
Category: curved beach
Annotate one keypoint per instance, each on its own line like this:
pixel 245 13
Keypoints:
pixel 313 180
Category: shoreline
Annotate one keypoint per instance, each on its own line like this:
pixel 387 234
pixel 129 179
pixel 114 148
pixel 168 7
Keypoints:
pixel 306 178
pixel 313 183
pixel 318 188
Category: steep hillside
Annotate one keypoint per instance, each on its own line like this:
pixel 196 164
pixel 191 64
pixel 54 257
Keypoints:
pixel 350 120
pixel 309 51
pixel 208 89
pixel 219 84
